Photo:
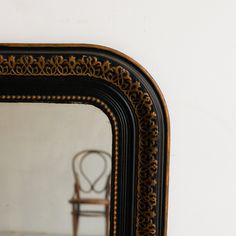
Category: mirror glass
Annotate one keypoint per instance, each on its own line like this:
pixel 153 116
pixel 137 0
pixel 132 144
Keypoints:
pixel 55 166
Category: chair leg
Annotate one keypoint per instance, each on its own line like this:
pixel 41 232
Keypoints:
pixel 75 219
pixel 107 216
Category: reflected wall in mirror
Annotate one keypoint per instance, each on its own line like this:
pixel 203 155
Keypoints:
pixel 41 192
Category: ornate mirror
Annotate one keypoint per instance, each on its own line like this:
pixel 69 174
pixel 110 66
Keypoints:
pixel 84 143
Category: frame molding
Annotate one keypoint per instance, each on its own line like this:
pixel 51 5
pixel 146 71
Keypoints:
pixel 142 102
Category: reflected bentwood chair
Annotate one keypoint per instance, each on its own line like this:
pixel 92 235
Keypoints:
pixel 77 201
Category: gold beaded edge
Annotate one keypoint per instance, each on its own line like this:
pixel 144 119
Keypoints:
pixel 91 100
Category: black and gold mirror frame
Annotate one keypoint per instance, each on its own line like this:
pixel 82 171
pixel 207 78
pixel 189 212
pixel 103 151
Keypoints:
pixel 118 85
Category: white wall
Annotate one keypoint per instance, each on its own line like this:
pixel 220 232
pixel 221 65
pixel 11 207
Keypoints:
pixel 189 47
pixel 37 144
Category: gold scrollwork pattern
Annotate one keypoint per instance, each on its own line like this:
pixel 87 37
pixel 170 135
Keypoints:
pixel 140 101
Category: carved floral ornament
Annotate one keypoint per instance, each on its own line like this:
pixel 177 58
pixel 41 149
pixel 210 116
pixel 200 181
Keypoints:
pixel 140 100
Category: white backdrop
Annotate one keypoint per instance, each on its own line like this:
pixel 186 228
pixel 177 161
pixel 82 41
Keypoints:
pixel 189 47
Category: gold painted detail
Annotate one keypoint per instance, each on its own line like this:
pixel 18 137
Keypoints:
pixel 139 99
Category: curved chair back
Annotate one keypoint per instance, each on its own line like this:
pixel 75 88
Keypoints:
pixel 79 171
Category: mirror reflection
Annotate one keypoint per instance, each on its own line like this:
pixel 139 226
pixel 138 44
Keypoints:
pixel 55 169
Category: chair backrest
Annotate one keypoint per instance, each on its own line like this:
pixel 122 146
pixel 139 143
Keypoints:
pixel 79 171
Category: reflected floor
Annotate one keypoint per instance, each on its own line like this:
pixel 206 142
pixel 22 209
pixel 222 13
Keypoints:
pixel 39 234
